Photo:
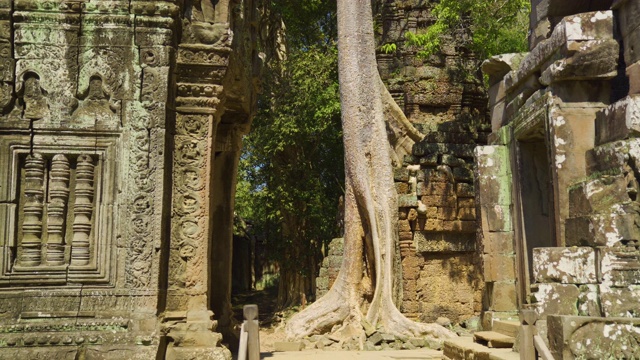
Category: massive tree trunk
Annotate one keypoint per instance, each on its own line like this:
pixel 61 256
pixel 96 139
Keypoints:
pixel 364 286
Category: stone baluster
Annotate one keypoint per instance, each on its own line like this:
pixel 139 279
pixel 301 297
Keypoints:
pixel 56 209
pixel 83 211
pixel 32 224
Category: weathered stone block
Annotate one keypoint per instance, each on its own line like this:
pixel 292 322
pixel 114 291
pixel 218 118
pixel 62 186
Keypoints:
pixel 446 213
pixel 403 188
pixel 498 242
pixel 590 60
pixel 62 353
pixel 555 299
pixel 401 174
pixel 597 196
pixel 428 242
pixel 463 174
pixel 620 302
pixel 604 229
pixel 619 120
pixel 589 301
pixel 619 265
pixel 496 218
pixel 407 201
pixel 435 188
pixel 497 114
pixel 498 66
pixel 631 41
pixel 539 31
pixel 503 296
pixel 466 203
pixel 494 190
pixel 454 161
pixel 633 74
pixel 573 337
pixel 439 200
pixel 462 226
pixel 466 213
pixel 609 156
pixel 102 352
pixel 499 267
pixel 497 92
pixel 464 190
pixel 403 225
pixel 576 265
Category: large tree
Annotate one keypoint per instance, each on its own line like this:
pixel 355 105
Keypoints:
pixel 364 288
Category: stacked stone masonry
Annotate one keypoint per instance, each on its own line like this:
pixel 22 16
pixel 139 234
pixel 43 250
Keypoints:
pixel 564 121
pixel 444 99
pixel 118 120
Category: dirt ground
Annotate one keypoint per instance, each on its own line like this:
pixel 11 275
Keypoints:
pixel 271 320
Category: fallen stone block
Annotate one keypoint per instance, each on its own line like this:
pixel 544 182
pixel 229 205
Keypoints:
pixel 288 346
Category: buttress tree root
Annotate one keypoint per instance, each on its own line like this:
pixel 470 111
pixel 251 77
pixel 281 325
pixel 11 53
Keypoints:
pixel 364 287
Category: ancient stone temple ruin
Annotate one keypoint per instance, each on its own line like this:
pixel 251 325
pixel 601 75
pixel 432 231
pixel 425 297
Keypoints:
pixel 546 230
pixel 120 133
pixel 557 185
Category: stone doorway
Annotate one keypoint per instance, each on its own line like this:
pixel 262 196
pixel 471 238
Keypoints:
pixel 534 210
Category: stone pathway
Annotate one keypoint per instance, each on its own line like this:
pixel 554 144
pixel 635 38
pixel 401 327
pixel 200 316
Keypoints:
pixel 353 355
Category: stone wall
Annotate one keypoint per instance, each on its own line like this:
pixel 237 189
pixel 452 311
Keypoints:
pixel 564 121
pixel 444 99
pixel 118 120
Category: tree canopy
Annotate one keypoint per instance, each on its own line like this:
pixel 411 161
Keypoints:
pixel 291 171
pixel 489 27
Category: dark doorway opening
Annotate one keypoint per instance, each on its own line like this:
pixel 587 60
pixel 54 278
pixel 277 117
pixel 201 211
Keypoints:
pixel 536 210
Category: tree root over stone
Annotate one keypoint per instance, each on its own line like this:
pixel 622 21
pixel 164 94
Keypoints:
pixel 371 207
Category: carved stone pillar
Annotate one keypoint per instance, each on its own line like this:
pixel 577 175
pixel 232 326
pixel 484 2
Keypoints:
pixel 83 211
pixel 56 209
pixel 201 67
pixel 31 245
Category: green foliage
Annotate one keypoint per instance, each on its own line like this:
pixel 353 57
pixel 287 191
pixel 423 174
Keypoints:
pixel 389 48
pixel 308 22
pixel 495 26
pixel 291 170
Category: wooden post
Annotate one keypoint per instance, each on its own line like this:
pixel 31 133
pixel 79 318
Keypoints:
pixel 544 352
pixel 253 331
pixel 242 349
pixel 527 331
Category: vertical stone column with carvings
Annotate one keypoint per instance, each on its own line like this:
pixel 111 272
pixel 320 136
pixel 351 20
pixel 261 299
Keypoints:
pixel 31 245
pixel 202 62
pixel 83 211
pixel 56 209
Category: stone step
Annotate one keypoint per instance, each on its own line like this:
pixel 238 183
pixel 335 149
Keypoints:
pixel 464 348
pixel 493 339
pixel 509 328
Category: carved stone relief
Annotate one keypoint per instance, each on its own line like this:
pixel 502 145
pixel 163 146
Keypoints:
pixel 95 108
pixel 57 227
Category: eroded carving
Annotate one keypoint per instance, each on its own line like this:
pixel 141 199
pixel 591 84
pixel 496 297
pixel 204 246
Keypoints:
pixel 34 101
pixel 95 107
